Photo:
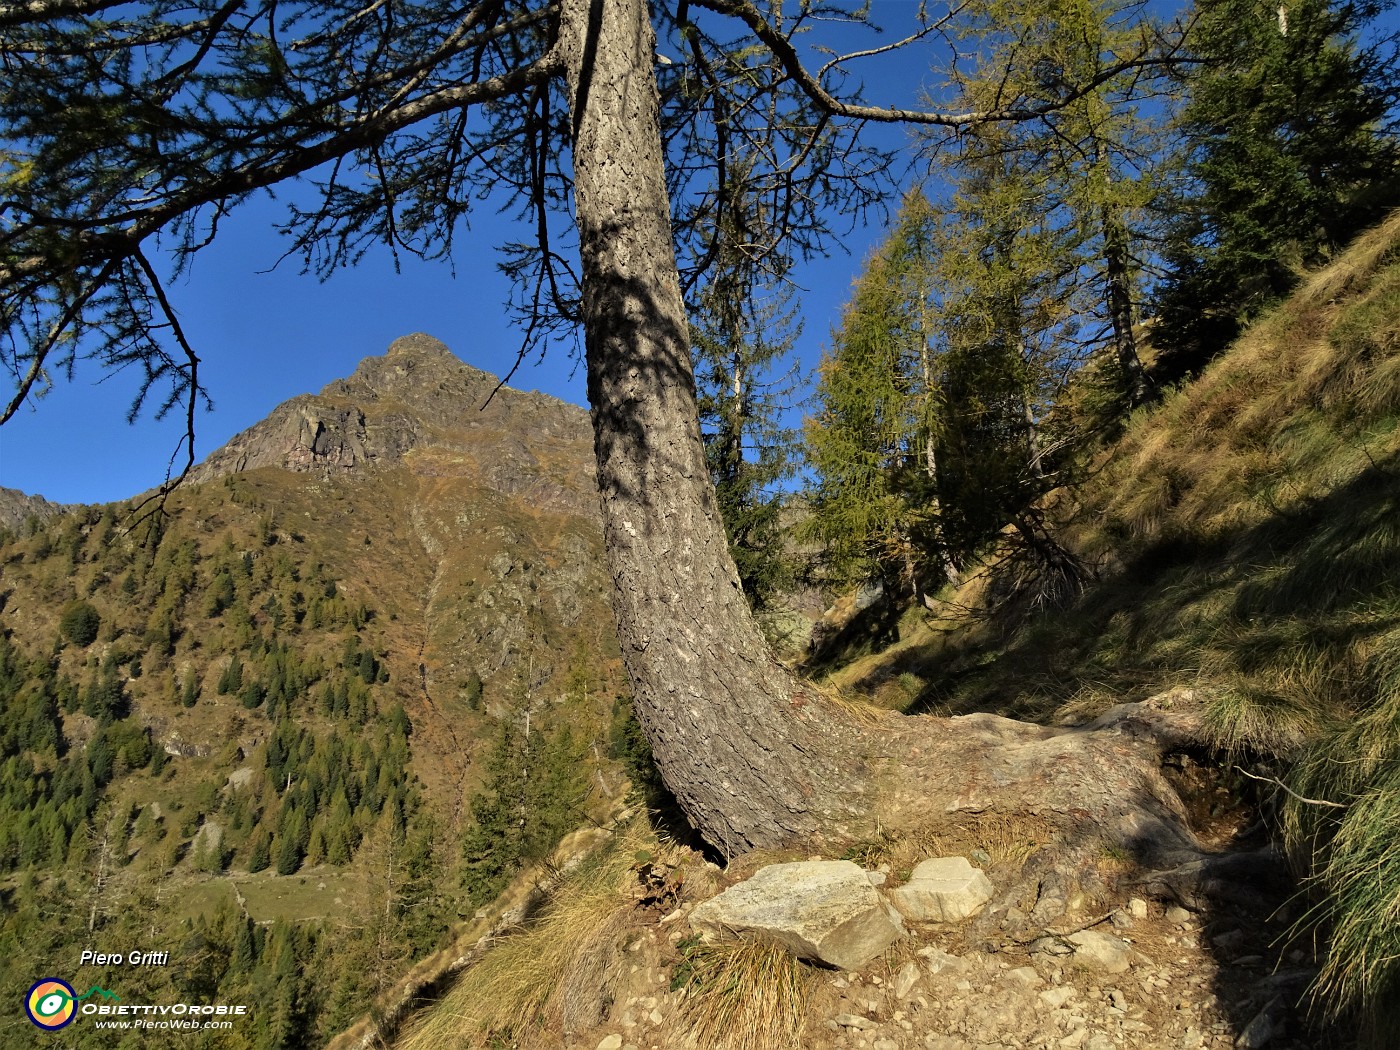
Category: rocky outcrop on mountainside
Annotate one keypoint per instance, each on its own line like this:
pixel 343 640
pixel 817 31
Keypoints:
pixel 419 406
pixel 307 434
pixel 17 507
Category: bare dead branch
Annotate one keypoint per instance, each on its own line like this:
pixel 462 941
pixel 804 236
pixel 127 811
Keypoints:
pixel 782 48
pixel 1280 784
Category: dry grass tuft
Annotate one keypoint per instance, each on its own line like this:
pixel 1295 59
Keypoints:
pixel 555 975
pixel 1245 720
pixel 1006 840
pixel 507 990
pixel 745 995
pixel 849 704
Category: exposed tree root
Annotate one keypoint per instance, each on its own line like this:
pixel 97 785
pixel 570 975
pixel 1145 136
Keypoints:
pixel 1102 788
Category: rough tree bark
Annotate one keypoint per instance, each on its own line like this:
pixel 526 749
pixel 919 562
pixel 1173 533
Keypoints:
pixel 755 757
pixel 748 758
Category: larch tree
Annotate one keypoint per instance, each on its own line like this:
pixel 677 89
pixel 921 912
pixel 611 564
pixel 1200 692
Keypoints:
pixel 942 419
pixel 872 441
pixel 131 128
pixel 1290 148
pixel 1006 319
pixel 1097 159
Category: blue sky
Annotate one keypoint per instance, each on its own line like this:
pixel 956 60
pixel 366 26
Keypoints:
pixel 268 336
pixel 264 337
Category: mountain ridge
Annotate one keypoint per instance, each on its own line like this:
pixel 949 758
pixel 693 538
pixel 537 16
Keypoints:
pixel 406 406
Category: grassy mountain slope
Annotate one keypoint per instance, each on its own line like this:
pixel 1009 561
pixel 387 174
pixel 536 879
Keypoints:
pixel 1246 537
pixel 257 731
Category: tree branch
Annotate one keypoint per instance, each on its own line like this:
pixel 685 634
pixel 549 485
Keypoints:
pixel 37 10
pixel 56 331
pixel 191 383
pixel 259 173
pixel 1279 783
pixel 787 55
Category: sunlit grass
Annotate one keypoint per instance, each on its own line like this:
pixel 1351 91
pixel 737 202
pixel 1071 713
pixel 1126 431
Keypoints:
pixel 744 995
pixel 558 973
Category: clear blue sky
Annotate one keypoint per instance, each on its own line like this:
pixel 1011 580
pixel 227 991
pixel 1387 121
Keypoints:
pixel 268 336
pixel 264 337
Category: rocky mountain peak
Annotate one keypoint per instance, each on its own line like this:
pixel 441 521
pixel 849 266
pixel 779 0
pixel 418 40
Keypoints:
pixel 418 402
pixel 419 346
pixel 420 373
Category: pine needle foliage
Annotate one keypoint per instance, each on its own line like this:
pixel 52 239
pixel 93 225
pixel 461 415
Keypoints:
pixel 864 432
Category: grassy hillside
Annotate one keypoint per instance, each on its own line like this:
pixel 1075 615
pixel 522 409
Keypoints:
pixel 279 732
pixel 1246 539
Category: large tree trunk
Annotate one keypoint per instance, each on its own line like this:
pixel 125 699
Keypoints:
pixel 753 757
pixel 749 760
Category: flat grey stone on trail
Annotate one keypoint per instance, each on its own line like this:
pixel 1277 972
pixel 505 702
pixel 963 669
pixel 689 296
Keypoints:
pixel 943 889
pixel 823 910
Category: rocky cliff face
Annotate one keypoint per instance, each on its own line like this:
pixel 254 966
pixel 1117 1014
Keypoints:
pixel 16 508
pixel 420 407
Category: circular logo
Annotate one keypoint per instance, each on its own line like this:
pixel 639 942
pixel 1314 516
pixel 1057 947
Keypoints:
pixel 51 1003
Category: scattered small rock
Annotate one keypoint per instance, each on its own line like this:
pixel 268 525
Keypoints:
pixel 908 976
pixel 1026 976
pixel 939 960
pixel 1057 997
pixel 1099 951
pixel 852 1021
pixel 1264 1028
pixel 1229 940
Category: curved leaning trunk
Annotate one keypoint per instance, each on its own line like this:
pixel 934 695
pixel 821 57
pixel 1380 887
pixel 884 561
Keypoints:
pixel 749 759
pixel 753 758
